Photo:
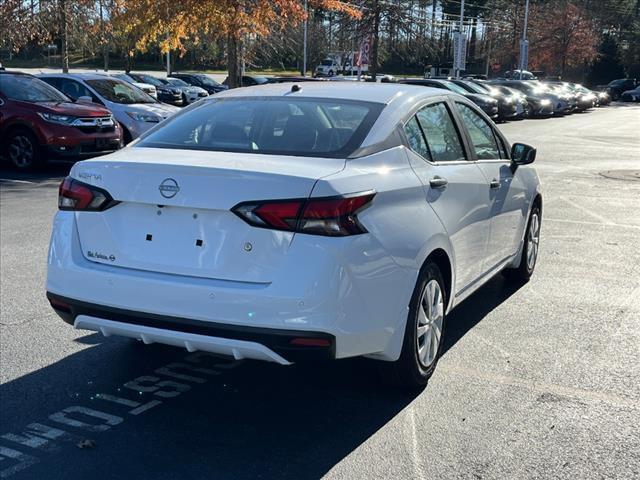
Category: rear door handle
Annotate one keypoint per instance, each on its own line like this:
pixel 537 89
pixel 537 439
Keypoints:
pixel 438 182
pixel 494 184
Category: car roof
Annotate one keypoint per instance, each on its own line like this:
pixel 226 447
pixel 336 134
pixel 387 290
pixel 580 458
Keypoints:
pixel 15 72
pixel 80 76
pixel 366 92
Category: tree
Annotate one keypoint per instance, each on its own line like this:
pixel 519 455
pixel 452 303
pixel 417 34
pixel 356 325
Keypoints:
pixel 562 36
pixel 172 23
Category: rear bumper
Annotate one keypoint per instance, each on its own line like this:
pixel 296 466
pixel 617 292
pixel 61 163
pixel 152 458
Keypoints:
pixel 359 304
pixel 240 342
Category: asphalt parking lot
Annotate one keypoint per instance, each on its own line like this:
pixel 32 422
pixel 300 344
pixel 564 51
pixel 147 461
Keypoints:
pixel 541 381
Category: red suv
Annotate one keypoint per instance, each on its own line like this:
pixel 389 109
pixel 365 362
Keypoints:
pixel 38 122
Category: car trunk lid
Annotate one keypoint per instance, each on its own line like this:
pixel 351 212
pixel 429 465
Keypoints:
pixel 175 217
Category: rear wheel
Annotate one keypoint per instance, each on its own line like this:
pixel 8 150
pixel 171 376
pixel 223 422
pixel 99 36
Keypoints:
pixel 529 249
pixel 22 150
pixel 424 332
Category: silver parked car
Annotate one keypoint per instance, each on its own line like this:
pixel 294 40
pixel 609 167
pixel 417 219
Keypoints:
pixel 135 111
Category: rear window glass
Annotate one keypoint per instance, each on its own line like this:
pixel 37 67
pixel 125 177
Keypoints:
pixel 272 125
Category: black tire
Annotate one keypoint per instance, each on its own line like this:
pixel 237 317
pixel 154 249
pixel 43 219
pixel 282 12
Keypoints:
pixel 409 371
pixel 331 73
pixel 525 269
pixel 126 136
pixel 22 150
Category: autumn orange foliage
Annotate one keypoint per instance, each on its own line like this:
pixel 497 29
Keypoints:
pixel 170 22
pixel 562 36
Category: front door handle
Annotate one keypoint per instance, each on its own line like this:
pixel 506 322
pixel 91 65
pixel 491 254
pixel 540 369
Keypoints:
pixel 438 182
pixel 494 184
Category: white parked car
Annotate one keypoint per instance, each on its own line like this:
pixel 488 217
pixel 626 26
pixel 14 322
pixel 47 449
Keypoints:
pixel 190 93
pixel 145 87
pixel 286 221
pixel 328 68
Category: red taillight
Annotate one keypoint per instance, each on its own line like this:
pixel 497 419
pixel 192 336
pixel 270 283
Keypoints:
pixel 331 216
pixel 75 195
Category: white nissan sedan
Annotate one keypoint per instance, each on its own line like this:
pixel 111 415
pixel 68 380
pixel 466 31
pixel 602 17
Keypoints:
pixel 285 222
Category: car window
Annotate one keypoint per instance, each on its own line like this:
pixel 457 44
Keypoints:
pixel 74 89
pixel 118 91
pixel 25 88
pixel 281 126
pixel 416 139
pixel 481 133
pixel 442 136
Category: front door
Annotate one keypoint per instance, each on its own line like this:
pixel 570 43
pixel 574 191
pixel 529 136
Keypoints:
pixel 508 195
pixel 455 187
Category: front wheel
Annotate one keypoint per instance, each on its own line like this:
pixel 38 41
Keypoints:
pixel 22 150
pixel 530 249
pixel 424 333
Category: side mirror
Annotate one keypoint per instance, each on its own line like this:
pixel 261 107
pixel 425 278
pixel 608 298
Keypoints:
pixel 522 154
pixel 84 99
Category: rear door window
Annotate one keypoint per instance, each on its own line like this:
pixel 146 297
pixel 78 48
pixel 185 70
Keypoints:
pixel 443 140
pixel 414 134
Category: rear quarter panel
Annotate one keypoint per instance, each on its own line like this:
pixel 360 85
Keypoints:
pixel 403 231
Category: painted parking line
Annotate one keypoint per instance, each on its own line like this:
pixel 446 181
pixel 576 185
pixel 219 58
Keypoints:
pixel 19 451
pixel 16 181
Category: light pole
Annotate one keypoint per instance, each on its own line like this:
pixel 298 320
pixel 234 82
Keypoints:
pixel 304 40
pixel 458 47
pixel 524 47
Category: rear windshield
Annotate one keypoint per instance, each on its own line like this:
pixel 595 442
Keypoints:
pixel 29 89
pixel 272 125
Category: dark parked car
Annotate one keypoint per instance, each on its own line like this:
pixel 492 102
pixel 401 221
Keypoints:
pixel 39 122
pixel 200 80
pixel 521 98
pixel 585 98
pixel 616 88
pixel 166 93
pixel 485 102
pixel 508 105
pixel 540 102
pixel 250 80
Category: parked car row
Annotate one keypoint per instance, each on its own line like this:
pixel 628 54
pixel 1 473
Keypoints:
pixel 506 99
pixel 71 116
pixel 89 114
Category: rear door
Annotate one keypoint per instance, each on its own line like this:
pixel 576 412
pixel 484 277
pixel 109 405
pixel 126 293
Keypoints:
pixel 507 191
pixel 454 186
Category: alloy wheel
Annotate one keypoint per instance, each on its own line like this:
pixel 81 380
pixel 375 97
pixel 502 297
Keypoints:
pixel 533 241
pixel 21 151
pixel 430 321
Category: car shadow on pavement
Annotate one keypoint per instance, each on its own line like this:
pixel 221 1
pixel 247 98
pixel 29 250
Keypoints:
pixel 252 420
pixel 475 308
